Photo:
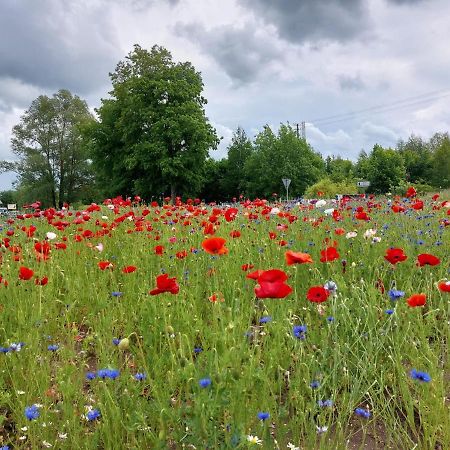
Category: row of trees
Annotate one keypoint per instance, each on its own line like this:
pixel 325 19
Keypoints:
pixel 151 137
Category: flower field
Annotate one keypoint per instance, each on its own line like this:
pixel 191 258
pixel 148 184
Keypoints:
pixel 263 325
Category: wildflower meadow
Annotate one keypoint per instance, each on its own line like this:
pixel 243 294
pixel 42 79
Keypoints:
pixel 309 325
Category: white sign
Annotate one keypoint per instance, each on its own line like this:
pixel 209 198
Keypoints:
pixel 286 182
pixel 363 183
pixel 12 206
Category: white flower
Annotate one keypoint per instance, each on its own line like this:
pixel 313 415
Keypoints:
pixel 254 440
pixel 46 444
pixel 105 217
pixel 20 392
pixel 24 429
pixel 329 211
pixel 292 446
pixel 376 239
pixel 99 247
pixel 320 203
pixel 62 435
pixel 50 235
pixel 351 234
pixel 322 429
pixel 274 210
pixel 111 207
pixel 370 233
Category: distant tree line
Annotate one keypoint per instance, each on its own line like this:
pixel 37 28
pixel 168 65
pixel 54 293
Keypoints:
pixel 152 138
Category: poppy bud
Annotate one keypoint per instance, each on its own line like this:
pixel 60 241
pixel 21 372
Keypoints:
pixel 124 344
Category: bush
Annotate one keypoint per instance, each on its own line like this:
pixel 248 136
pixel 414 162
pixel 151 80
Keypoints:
pixel 330 189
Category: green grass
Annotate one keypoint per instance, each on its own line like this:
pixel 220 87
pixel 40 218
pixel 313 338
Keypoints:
pixel 361 359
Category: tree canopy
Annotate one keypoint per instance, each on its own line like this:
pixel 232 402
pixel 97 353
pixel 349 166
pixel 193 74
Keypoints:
pixel 52 164
pixel 152 135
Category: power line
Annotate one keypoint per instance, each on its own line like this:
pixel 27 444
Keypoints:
pixel 405 103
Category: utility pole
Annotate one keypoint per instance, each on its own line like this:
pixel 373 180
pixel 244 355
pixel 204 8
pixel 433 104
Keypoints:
pixel 301 125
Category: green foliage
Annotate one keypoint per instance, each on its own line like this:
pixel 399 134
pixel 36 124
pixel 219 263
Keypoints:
pixel 239 151
pixel 385 169
pixel 441 164
pixel 8 196
pixel 330 188
pixel 339 169
pixel 417 159
pixel 53 163
pixel 153 134
pixel 281 156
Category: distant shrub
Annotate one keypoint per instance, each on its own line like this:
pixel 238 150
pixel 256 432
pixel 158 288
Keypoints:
pixel 329 189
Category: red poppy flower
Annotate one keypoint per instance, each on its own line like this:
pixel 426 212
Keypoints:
pixel 104 265
pixel 216 298
pixel 235 234
pixel 417 300
pixel 362 215
pixel 129 269
pixel 339 231
pixel 411 192
pixel 181 255
pixel 215 246
pixel 397 208
pixel 444 286
pixel 317 294
pixel 271 284
pixel 41 282
pixel 427 259
pixel 246 267
pixel 417 205
pixel 435 197
pixel 25 273
pixel 230 214
pixel 329 254
pixel 60 246
pixel 395 255
pixel 159 250
pixel 165 284
pixel 297 258
pixel 254 275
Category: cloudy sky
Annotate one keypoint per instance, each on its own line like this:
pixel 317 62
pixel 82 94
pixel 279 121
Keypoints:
pixel 358 72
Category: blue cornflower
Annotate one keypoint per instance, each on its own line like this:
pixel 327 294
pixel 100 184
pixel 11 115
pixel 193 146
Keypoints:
pixel 389 311
pixel 204 382
pixel 4 349
pixel 93 415
pixel 197 350
pixel 116 341
pixel 116 294
pixel 265 319
pixel 362 412
pixel 394 294
pixel 4 447
pixel 16 347
pixel 140 376
pixel 91 376
pixel 32 412
pixel 299 331
pixel 53 347
pixel 108 373
pixel 314 384
pixel 330 319
pixel 263 415
pixel 421 376
pixel 325 403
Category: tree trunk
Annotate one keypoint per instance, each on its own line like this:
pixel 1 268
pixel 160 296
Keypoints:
pixel 172 193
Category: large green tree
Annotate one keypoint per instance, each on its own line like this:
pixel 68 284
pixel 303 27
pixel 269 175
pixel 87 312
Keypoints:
pixel 239 150
pixel 440 175
pixel 53 164
pixel 282 156
pixel 385 169
pixel 417 158
pixel 153 135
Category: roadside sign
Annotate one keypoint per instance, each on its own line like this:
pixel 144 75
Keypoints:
pixel 363 183
pixel 11 206
pixel 286 182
